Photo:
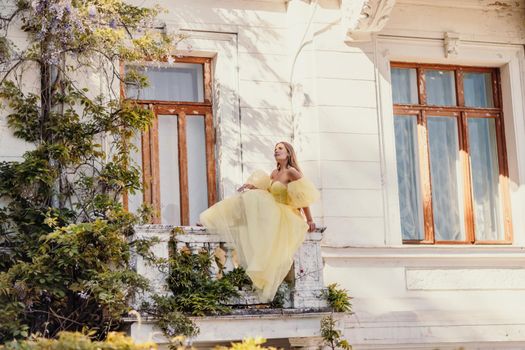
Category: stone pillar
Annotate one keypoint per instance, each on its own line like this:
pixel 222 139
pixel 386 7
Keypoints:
pixel 308 271
pixel 156 276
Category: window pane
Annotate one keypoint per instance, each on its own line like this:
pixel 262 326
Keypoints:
pixel 169 170
pixel 135 154
pixel 176 82
pixel 410 204
pixel 446 179
pixel 197 173
pixel 404 85
pixel 440 87
pixel 478 89
pixel 485 179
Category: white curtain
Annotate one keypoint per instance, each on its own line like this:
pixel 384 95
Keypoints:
pixel 440 87
pixel 485 178
pixel 404 85
pixel 410 205
pixel 478 89
pixel 197 172
pixel 176 82
pixel 446 179
pixel 169 170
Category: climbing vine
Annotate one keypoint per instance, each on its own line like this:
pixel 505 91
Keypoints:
pixel 65 237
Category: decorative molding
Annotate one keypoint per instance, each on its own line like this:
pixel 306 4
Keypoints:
pixel 451 44
pixel 305 1
pixel 465 278
pixel 427 326
pixel 207 34
pixel 362 18
pixel 485 5
pixel 492 256
pixel 306 343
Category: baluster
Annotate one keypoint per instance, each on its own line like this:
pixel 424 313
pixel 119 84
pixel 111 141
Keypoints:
pixel 214 268
pixel 195 248
pixel 228 250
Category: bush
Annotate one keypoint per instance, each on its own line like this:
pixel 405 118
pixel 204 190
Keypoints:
pixel 64 249
pixel 79 341
pixel 194 293
pixel 77 276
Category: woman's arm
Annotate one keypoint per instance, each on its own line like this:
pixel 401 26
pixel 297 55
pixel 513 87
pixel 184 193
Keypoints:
pixel 294 175
pixel 309 220
pixel 246 187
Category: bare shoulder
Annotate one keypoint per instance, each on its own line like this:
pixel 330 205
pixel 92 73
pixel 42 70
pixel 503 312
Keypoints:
pixel 294 174
pixel 274 172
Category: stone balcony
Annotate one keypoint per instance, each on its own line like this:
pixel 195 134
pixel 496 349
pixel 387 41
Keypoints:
pixel 296 325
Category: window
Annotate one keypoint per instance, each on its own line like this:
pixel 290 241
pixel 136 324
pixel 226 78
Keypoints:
pixel 177 152
pixel 450 154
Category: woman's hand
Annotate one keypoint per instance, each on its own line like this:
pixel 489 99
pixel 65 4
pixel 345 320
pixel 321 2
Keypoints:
pixel 246 187
pixel 311 226
pixel 309 220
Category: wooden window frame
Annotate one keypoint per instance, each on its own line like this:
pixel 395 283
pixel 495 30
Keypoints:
pixel 462 113
pixel 150 144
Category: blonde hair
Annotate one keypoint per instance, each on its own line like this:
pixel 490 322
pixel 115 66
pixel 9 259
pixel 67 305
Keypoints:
pixel 292 158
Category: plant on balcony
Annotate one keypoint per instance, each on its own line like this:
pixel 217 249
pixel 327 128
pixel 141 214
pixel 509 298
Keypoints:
pixel 194 292
pixel 338 298
pixel 332 336
pixel 64 234
pixel 339 301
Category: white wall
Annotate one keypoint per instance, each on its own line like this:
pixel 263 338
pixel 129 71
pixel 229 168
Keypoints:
pixel 429 297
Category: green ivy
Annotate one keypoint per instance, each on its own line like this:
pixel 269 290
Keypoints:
pixel 65 238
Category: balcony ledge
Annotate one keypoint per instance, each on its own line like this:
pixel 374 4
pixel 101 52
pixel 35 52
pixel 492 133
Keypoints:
pixel 272 325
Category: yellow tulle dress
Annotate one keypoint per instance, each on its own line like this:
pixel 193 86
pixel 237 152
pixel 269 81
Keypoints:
pixel 265 226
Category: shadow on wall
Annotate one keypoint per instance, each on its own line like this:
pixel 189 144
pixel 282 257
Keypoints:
pixel 265 70
pixel 263 97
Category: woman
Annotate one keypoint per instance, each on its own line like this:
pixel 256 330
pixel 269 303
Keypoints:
pixel 266 221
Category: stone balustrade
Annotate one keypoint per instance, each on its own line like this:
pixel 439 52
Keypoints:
pixel 304 284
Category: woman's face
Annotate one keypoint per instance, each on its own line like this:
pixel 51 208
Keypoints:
pixel 280 152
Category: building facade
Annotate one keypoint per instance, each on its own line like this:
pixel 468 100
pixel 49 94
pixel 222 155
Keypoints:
pixel 408 115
